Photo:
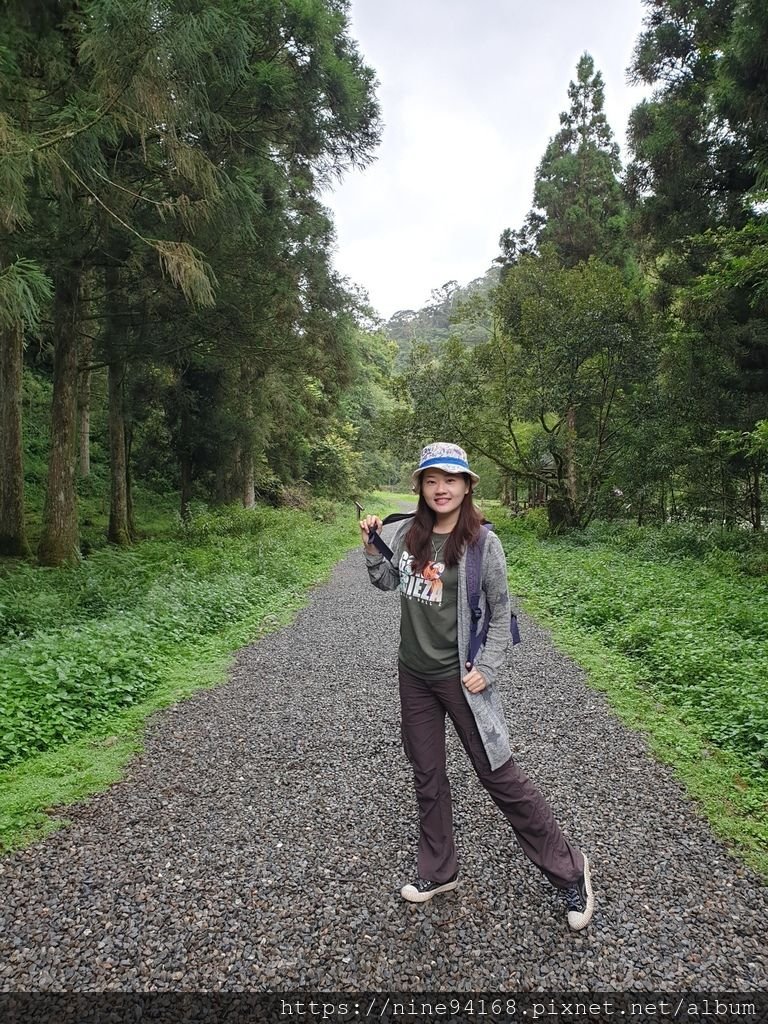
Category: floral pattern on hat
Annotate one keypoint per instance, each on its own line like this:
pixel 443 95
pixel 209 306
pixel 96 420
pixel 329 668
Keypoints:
pixel 443 455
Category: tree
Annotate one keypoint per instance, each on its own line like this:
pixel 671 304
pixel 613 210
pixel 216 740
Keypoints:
pixel 178 130
pixel 691 167
pixel 697 181
pixel 454 311
pixel 716 355
pixel 24 287
pixel 568 339
pixel 578 203
pixel 579 212
pixel 24 293
pixel 73 86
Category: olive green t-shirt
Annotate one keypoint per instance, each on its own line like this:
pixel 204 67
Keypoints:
pixel 428 616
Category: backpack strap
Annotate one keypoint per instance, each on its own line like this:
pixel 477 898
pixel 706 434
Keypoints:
pixel 514 628
pixel 381 545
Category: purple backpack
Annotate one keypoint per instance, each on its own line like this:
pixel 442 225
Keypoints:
pixel 474 567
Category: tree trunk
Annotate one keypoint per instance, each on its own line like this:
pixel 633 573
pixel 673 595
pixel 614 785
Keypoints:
pixel 729 498
pixel 119 532
pixel 84 409
pixel 133 533
pixel 186 484
pixel 570 454
pixel 248 474
pixel 757 501
pixel 59 543
pixel 116 344
pixel 185 459
pixel 85 356
pixel 13 537
pixel 227 471
pixel 249 482
pixel 561 513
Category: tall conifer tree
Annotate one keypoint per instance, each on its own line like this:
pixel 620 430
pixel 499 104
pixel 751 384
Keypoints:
pixel 578 203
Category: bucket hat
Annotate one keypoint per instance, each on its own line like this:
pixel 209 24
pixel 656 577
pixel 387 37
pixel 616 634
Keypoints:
pixel 442 455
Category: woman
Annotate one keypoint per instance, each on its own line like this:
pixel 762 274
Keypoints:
pixel 429 568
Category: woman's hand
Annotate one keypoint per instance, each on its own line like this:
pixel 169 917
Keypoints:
pixel 366 524
pixel 474 680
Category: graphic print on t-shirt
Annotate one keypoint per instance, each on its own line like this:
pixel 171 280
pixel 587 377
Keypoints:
pixel 426 586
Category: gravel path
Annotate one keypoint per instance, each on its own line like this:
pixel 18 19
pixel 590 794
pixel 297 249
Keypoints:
pixel 261 839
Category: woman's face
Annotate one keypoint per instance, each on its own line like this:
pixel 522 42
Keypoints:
pixel 443 492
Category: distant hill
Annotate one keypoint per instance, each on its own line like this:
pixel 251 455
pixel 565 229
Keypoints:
pixel 460 311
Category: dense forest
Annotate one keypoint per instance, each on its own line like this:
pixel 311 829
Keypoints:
pixel 166 287
pixel 170 319
pixel 623 370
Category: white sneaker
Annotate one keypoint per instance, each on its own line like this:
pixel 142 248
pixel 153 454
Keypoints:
pixel 424 890
pixel 580 900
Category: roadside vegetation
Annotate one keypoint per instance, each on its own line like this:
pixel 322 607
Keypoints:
pixel 88 653
pixel 672 623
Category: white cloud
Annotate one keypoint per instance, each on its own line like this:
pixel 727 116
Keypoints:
pixel 471 91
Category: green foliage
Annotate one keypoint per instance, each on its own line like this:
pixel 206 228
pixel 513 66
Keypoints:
pixel 296 496
pixel 579 207
pixel 454 311
pixel 323 510
pixel 531 523
pixel 681 605
pixel 699 141
pixel 25 291
pixel 548 397
pixel 334 466
pixel 697 181
pixel 670 625
pixel 77 646
pixel 36 405
pixel 202 522
pixel 194 145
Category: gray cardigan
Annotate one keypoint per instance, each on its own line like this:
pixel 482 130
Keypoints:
pixel 494 601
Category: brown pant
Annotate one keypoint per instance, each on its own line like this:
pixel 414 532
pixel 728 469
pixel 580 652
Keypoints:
pixel 424 703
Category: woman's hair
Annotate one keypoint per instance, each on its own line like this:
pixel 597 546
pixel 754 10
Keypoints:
pixel 418 540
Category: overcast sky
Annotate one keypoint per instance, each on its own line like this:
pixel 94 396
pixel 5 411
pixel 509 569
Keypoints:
pixel 470 92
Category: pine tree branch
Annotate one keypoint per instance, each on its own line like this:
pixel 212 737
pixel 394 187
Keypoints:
pixel 71 133
pixel 103 205
pixel 179 260
pixel 131 353
pixel 130 192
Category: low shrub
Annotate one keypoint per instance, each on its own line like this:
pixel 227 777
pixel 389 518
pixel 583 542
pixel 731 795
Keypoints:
pixel 532 521
pixel 323 510
pixel 296 495
pixel 203 522
pixel 79 645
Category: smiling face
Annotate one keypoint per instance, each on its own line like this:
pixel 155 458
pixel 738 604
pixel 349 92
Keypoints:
pixel 443 492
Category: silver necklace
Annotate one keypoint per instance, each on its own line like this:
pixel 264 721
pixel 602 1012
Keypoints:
pixel 435 550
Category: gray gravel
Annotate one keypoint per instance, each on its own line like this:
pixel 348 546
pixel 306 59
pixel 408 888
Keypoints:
pixel 261 839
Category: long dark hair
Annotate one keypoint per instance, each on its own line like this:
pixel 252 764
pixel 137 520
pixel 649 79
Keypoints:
pixel 418 540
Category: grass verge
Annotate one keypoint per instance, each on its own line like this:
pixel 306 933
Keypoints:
pixel 699 716
pixel 289 552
